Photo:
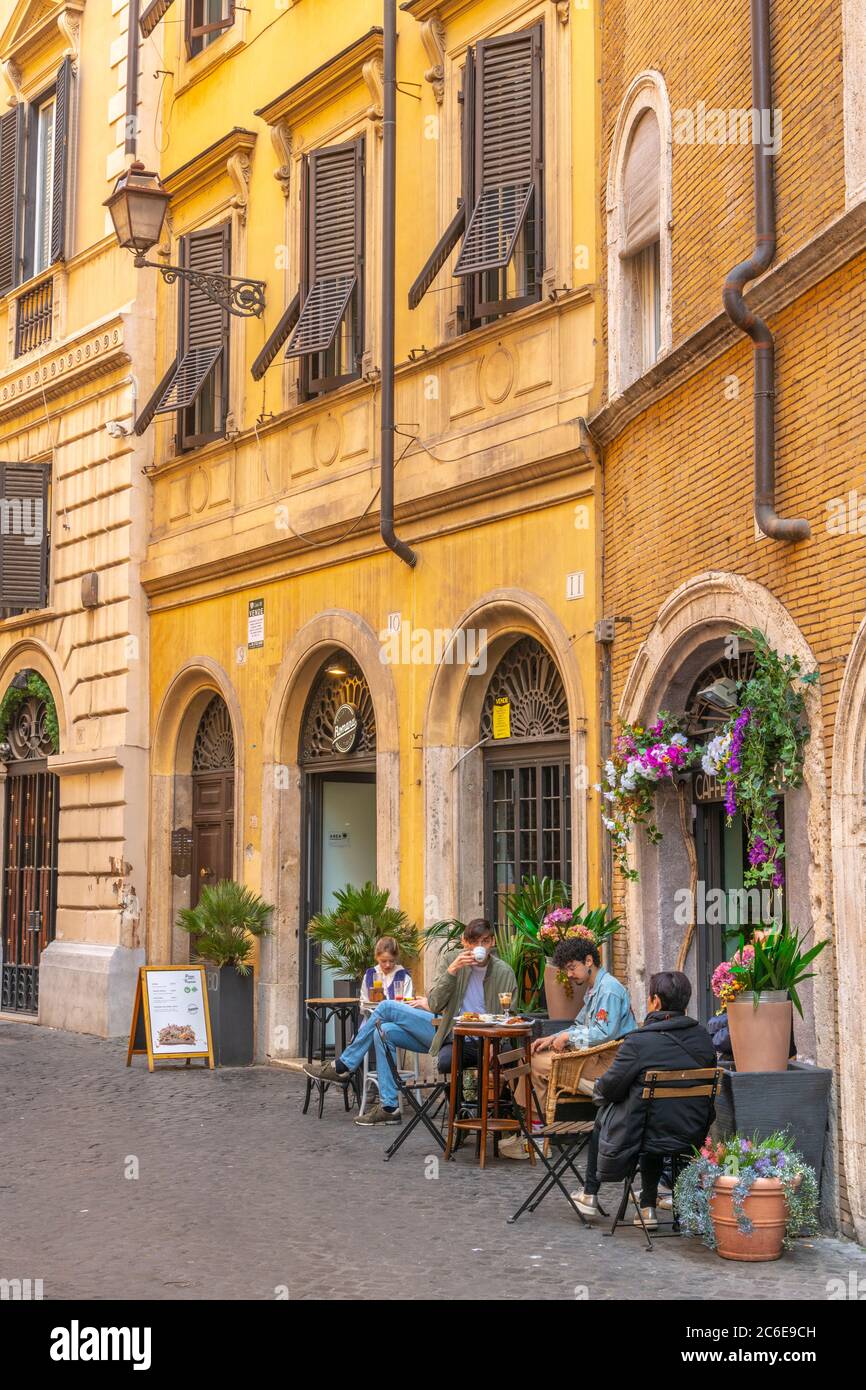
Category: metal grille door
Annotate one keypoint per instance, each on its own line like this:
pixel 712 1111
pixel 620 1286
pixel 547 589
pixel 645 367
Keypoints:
pixel 29 884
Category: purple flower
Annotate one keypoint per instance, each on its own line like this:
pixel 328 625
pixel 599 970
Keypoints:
pixel 758 852
pixel 730 798
pixel 739 733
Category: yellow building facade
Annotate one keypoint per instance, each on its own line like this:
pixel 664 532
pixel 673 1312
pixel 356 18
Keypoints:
pixel 74 321
pixel 323 712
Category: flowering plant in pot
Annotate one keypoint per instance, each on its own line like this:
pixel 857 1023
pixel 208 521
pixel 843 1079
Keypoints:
pixel 641 759
pixel 564 998
pixel 761 994
pixel 747 1198
pixel 760 752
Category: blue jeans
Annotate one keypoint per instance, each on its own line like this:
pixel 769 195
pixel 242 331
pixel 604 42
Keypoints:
pixel 404 1027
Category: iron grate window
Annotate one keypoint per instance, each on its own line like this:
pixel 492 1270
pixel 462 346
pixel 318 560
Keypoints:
pixel 321 315
pixel 33 317
pixel 192 373
pixel 495 225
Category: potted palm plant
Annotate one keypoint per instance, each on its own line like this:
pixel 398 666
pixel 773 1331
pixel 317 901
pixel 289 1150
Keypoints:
pixel 223 926
pixel 747 1198
pixel 348 932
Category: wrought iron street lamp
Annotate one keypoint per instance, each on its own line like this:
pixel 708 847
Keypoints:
pixel 138 206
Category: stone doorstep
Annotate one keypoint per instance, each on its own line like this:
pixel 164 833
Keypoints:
pixel 19 1018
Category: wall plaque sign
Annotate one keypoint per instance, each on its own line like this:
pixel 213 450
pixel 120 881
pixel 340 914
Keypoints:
pixel 346 728
pixel 181 851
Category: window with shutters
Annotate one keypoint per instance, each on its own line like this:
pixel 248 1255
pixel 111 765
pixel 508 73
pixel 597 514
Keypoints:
pixel 34 180
pixel 195 387
pixel 25 520
pixel 639 244
pixel 328 337
pixel 499 225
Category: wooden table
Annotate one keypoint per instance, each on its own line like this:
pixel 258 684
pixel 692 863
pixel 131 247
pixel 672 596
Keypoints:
pixel 490 1035
pixel 319 1014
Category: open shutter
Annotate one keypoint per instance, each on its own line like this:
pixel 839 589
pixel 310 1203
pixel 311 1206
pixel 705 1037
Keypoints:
pixel 62 124
pixel 204 325
pixel 24 535
pixel 152 14
pixel 11 162
pixel 286 323
pixel 334 245
pixel 507 148
pixel 152 406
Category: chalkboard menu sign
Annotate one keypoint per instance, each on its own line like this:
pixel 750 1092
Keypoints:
pixel 170 1017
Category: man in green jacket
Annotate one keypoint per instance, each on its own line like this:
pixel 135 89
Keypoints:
pixel 469 979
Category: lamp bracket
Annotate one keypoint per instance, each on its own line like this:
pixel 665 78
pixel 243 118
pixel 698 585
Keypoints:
pixel 243 298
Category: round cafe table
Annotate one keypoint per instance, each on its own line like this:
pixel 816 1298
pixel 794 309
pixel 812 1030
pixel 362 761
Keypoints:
pixel 488 1120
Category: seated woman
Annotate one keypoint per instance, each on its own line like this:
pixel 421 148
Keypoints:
pixel 392 978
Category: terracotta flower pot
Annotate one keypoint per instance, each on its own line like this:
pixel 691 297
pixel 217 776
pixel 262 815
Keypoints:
pixel 760 1037
pixel 766 1208
pixel 561 1003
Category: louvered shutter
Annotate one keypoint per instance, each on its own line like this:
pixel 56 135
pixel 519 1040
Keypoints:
pixel 507 148
pixel 24 524
pixel 63 107
pixel 151 15
pixel 334 245
pixel 11 162
pixel 284 327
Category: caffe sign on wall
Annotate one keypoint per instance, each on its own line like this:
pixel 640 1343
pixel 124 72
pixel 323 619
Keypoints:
pixel 347 726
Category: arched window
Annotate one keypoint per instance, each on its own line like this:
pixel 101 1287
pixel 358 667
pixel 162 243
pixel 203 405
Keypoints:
pixel 639 250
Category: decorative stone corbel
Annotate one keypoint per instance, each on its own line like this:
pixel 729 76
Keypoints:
pixel 433 39
pixel 239 168
pixel 375 80
pixel 563 10
pixel 281 138
pixel 69 24
pixel 12 73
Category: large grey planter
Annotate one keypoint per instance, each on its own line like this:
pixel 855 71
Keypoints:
pixel 230 1000
pixel 761 1102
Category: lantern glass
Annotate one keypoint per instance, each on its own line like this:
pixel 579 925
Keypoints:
pixel 137 207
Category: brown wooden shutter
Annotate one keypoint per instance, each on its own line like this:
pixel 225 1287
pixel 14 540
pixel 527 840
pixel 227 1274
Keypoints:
pixel 151 407
pixel 334 245
pixel 64 96
pixel 23 563
pixel 284 327
pixel 152 14
pixel 11 166
pixel 203 325
pixel 507 148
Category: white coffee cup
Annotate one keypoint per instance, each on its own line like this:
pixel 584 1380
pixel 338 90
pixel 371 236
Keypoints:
pixel 480 954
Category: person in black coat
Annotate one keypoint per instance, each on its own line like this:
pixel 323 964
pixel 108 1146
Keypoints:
pixel 668 1040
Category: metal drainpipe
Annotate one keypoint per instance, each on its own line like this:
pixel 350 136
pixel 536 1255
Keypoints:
pixel 768 520
pixel 389 220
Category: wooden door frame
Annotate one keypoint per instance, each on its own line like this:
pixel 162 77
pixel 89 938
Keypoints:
pixel 537 753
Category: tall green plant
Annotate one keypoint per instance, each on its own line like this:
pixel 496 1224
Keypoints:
pixel 224 922
pixel 347 934
pixel 779 963
pixel 527 907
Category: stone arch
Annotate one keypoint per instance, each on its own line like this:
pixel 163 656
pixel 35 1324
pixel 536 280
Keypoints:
pixel 848 800
pixel 33 655
pixel 283 809
pixel 689 626
pixel 453 760
pixel 647 92
pixel 177 720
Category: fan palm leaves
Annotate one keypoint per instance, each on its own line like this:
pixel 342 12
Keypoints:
pixel 348 932
pixel 224 923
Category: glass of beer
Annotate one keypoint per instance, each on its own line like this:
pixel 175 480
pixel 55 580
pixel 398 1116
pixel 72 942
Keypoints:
pixel 505 1004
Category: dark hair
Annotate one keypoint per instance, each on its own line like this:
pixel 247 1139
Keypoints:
pixel 673 990
pixel 575 948
pixel 477 929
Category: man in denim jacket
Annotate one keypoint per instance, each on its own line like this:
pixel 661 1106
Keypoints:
pixel 606 1013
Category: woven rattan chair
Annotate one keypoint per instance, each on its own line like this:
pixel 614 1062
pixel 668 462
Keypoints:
pixel 573 1074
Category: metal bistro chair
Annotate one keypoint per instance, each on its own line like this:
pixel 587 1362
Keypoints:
pixel 568 1137
pixel 370 1080
pixel 424 1111
pixel 666 1088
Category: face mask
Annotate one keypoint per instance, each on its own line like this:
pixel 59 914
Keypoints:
pixel 480 954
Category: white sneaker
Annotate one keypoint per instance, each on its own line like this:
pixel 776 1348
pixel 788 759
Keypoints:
pixel 515 1146
pixel 586 1203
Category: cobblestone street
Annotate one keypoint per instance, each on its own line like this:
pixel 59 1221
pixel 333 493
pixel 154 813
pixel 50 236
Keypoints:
pixel 238 1194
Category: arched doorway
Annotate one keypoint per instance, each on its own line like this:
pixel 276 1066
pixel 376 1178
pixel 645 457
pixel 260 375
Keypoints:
pixel 213 799
pixel 527 774
pixel 337 757
pixel 28 719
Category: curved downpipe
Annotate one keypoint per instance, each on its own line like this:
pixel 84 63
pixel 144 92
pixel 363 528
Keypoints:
pixel 766 516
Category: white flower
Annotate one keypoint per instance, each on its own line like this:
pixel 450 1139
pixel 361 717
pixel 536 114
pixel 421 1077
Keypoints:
pixel 610 772
pixel 679 740
pixel 610 796
pixel 608 823
pixel 715 755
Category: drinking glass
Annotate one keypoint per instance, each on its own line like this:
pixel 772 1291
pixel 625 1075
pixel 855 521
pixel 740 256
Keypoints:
pixel 505 1004
pixel 399 990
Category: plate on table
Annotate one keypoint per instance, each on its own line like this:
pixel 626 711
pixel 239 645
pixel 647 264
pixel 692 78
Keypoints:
pixel 477 1018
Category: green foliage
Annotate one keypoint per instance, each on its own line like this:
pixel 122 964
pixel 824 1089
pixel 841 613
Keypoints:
pixel 448 931
pixel 38 689
pixel 511 948
pixel 770 756
pixel 224 922
pixel 779 963
pixel 527 908
pixel 347 935
pixel 746 1160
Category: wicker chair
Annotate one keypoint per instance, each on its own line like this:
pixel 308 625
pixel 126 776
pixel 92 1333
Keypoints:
pixel 573 1074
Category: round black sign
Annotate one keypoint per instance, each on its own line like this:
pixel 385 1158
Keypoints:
pixel 347 726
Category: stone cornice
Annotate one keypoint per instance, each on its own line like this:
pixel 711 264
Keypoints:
pixel 77 764
pixel 327 83
pixel 836 244
pixel 22 42
pixel 211 164
pixel 71 365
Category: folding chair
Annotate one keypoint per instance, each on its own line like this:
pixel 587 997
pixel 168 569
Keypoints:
pixel 664 1088
pixel 424 1111
pixel 568 1137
